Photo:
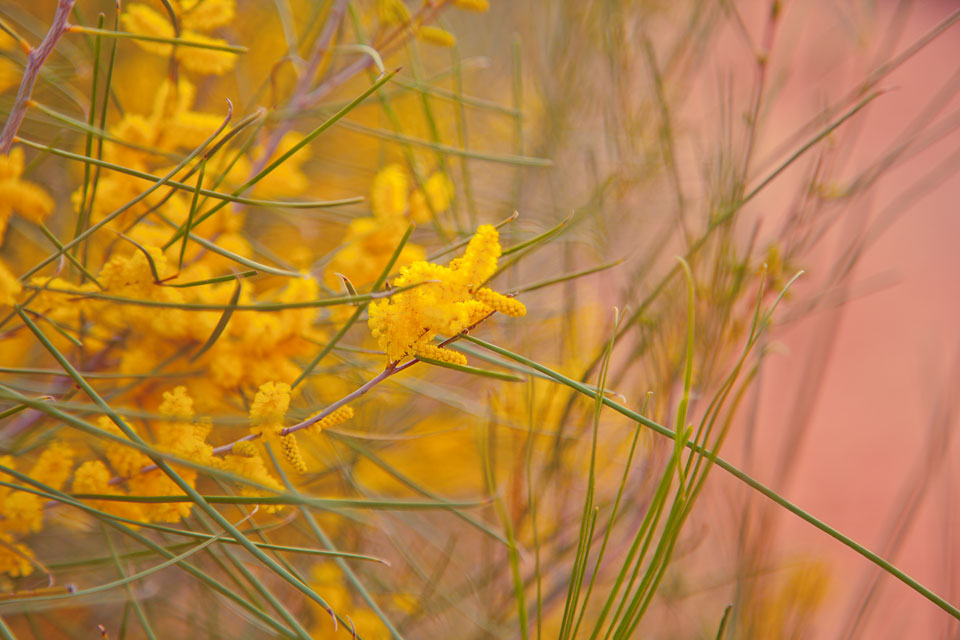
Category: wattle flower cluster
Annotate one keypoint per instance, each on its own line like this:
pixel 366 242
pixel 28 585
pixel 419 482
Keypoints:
pixel 449 300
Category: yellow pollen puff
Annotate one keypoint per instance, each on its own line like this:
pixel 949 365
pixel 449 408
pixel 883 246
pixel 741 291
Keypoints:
pixel 177 404
pixel 54 465
pixel 291 452
pixel 434 352
pixel 503 304
pixel 244 448
pixel 271 403
pixel 436 36
pixel 339 416
pixel 444 303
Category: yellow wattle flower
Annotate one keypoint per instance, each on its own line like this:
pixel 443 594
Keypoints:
pixel 10 287
pixel 20 196
pixel 445 302
pixel 339 416
pixel 291 452
pixel 389 193
pixel 434 352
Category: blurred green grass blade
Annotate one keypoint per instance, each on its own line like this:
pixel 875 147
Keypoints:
pixel 180 42
pixel 263 306
pixel 343 566
pixel 740 475
pixel 114 522
pixel 143 195
pixel 222 323
pixel 293 499
pixel 184 486
pixel 131 596
pixel 190 214
pixel 403 479
pixel 295 148
pixel 497 158
pixel 69 256
pixel 723 621
pixel 181 186
pixel 486 373
pixel 570 276
pixel 216 280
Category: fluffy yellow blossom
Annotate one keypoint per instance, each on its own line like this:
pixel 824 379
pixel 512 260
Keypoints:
pixel 15 558
pixel 93 477
pixel 54 465
pixel 10 287
pixel 205 15
pixel 125 460
pixel 22 512
pixel 266 418
pixel 244 448
pixel 177 404
pixel 407 322
pixel 270 405
pixel 182 436
pixel 205 61
pixel 193 16
pixel 20 196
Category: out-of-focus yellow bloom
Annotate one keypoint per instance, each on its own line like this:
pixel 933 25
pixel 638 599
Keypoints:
pixel 389 193
pixel 20 196
pixel 93 477
pixel 15 558
pixel 10 287
pixel 10 74
pixel 436 36
pixel 205 61
pixel 472 5
pixel 435 197
pixel 54 465
pixel 205 15
pixel 367 248
pixel 193 16
pixel 392 12
pixel 405 323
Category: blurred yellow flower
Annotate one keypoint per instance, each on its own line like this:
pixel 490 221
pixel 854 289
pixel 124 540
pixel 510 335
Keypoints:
pixel 18 195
